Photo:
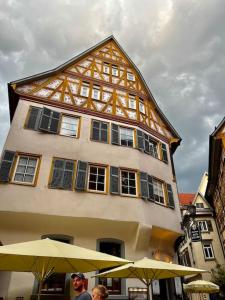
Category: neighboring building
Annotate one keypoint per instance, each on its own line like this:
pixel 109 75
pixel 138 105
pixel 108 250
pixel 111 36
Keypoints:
pixel 215 192
pixel 206 253
pixel 88 161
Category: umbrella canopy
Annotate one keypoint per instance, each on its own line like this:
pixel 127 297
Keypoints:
pixel 45 257
pixel 148 269
pixel 201 286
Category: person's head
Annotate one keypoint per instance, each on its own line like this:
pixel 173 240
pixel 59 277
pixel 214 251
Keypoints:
pixel 99 292
pixel 78 281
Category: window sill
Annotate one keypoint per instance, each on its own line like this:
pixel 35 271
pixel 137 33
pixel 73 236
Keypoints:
pixel 23 183
pixel 99 141
pixel 97 192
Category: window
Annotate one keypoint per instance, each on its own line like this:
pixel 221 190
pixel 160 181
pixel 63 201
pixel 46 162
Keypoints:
pixel 69 126
pixel 203 226
pixel 208 250
pixel 130 76
pixel 84 90
pixel 115 71
pixel 62 174
pixel 126 137
pixel 132 102
pixel 26 169
pixel 158 191
pixel 128 183
pixel 151 146
pixel 141 107
pixel 115 248
pixel 99 131
pixel 96 92
pixel 96 179
pixel 106 68
pixel 199 205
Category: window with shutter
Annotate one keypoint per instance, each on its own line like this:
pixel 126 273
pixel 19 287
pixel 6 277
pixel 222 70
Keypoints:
pixel 126 137
pixel 99 131
pixel 151 146
pixel 144 185
pixel 170 196
pixel 164 153
pixel 6 165
pixel 49 121
pixel 158 191
pixel 33 118
pixel 62 174
pixel 128 182
pixel 114 180
pixel 97 178
pixel 26 169
pixel 81 175
pixel 69 126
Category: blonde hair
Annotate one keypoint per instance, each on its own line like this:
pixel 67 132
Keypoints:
pixel 102 291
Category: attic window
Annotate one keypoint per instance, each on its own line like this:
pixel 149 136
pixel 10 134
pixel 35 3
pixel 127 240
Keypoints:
pixel 130 76
pixel 96 92
pixel 84 89
pixel 141 106
pixel 115 71
pixel 106 68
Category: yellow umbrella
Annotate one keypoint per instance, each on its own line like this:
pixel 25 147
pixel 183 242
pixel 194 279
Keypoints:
pixel 45 257
pixel 147 270
pixel 201 286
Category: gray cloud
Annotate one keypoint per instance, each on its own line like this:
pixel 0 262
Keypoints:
pixel 177 45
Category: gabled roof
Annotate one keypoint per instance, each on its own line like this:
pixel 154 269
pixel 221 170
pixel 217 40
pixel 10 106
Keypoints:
pixel 13 99
pixel 186 199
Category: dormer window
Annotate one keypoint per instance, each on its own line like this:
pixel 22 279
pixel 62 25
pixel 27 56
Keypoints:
pixel 115 71
pixel 106 68
pixel 130 76
pixel 84 89
pixel 132 102
pixel 141 106
pixel 96 92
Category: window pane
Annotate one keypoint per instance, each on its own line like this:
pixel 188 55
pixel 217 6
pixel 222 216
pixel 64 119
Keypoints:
pixel 28 178
pixel 25 169
pixel 96 178
pixel 69 126
pixel 18 177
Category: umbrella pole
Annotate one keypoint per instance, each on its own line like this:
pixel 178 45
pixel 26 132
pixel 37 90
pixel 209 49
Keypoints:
pixel 148 289
pixel 39 290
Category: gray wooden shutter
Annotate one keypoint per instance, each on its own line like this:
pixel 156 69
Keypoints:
pixel 57 175
pixel 67 182
pixel 150 189
pixel 115 134
pixel 114 180
pixel 49 121
pixel 34 118
pixel 81 175
pixel 140 140
pixel 170 195
pixel 209 223
pixel 144 185
pixel 146 141
pixel 164 153
pixel 6 165
pixel 95 131
pixel 104 132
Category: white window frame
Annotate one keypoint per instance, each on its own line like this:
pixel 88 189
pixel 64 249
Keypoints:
pixel 130 76
pixel 129 186
pixel 141 107
pixel 127 130
pixel 156 185
pixel 131 100
pixel 208 250
pixel 106 69
pixel 26 167
pixel 203 225
pixel 115 71
pixel 97 175
pixel 84 90
pixel 96 89
pixel 76 125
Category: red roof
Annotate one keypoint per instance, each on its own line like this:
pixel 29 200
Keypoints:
pixel 186 199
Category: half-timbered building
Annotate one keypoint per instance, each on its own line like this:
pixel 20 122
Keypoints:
pixel 89 161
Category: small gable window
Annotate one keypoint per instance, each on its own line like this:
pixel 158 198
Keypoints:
pixel 84 90
pixel 199 205
pixel 96 92
pixel 115 71
pixel 132 102
pixel 106 68
pixel 130 76
pixel 141 106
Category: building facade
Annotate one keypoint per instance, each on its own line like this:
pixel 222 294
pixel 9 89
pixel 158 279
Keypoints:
pixel 215 193
pixel 207 252
pixel 88 161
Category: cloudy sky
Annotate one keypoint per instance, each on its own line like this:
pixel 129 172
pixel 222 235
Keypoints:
pixel 178 45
